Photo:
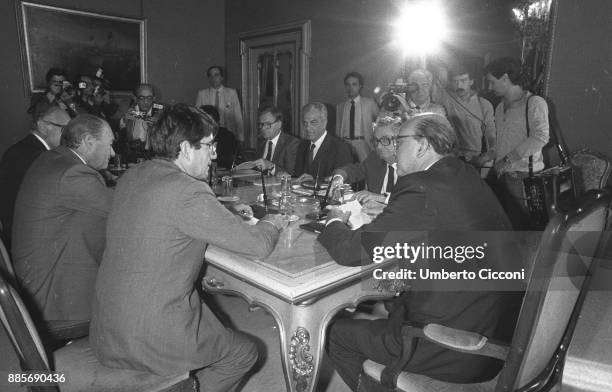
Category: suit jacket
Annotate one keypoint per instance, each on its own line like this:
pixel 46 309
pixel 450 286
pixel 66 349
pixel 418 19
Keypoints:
pixel 13 166
pixel 333 153
pixel 372 170
pixel 147 314
pixel 450 196
pixel 284 152
pixel 369 112
pixel 58 233
pixel 229 108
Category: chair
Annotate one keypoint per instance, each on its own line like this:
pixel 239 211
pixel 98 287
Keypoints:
pixel 57 330
pixel 591 170
pixel 557 285
pixel 83 371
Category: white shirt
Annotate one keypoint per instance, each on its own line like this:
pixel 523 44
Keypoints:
pixel 317 144
pixel 383 190
pixel 80 157
pixel 42 141
pixel 274 141
pixel 347 117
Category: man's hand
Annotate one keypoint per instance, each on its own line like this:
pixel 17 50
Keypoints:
pixel 336 213
pixel 263 164
pixel 304 177
pixel 365 196
pixel 279 221
pixel 482 160
pixel 337 180
pixel 373 208
pixel 502 166
pixel 242 210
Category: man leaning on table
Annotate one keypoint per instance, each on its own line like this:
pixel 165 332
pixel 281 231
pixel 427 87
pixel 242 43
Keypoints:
pixel 275 148
pixel 434 192
pixel 147 313
pixel 379 169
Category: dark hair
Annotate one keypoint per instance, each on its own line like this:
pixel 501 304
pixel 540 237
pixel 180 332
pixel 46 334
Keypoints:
pixel 56 72
pixel 213 67
pixel 212 111
pixel 176 124
pixel 356 75
pixel 141 85
pixel 274 111
pixel 437 130
pixel 81 125
pixel 461 69
pixel 506 65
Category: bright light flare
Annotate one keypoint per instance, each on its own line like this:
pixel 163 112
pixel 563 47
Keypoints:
pixel 421 28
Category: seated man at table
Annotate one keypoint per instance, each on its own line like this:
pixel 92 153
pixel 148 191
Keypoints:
pixel 379 169
pixel 322 152
pixel 60 220
pixel 227 146
pixel 275 148
pixel 147 314
pixel 435 192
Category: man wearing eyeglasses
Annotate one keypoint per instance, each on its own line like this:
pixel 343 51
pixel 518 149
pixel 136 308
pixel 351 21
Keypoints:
pixel 435 195
pixel 379 169
pixel 18 158
pixel 135 124
pixel 56 78
pixel 147 312
pixel 275 148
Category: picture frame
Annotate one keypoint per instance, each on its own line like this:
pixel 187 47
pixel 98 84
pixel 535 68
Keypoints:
pixel 80 42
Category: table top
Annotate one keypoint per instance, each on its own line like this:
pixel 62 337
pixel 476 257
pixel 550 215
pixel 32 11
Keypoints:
pixel 298 269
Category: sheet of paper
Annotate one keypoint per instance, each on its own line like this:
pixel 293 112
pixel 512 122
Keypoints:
pixel 358 218
pixel 245 165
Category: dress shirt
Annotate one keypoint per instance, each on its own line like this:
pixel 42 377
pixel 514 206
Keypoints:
pixel 80 157
pixel 317 144
pixel 274 141
pixel 383 190
pixel 347 116
pixel 42 141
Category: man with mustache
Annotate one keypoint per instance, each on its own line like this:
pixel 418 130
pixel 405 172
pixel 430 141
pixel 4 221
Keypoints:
pixel 471 116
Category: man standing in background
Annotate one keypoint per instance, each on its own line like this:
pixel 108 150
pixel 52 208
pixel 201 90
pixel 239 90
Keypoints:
pixel 225 99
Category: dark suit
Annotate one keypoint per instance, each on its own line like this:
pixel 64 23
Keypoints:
pixel 372 170
pixel 332 154
pixel 284 151
pixel 147 313
pixel 15 162
pixel 58 233
pixel 450 196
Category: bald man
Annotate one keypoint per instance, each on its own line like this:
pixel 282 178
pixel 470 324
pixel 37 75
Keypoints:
pixel 18 158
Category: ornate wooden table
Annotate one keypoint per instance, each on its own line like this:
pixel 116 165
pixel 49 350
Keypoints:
pixel 301 286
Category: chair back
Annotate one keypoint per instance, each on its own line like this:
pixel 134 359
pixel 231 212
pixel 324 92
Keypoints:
pixel 6 266
pixel 562 264
pixel 591 170
pixel 20 329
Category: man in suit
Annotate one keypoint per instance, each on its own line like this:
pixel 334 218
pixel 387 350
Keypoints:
pixel 379 170
pixel 147 313
pixel 18 158
pixel 276 148
pixel 355 116
pixel 60 218
pixel 435 194
pixel 322 152
pixel 225 99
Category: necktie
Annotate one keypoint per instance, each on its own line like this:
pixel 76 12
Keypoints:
pixel 390 179
pixel 311 155
pixel 269 153
pixel 217 99
pixel 352 120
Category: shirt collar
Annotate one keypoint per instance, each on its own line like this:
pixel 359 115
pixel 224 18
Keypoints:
pixel 433 163
pixel 356 99
pixel 319 141
pixel 80 157
pixel 218 89
pixel 42 141
pixel 274 140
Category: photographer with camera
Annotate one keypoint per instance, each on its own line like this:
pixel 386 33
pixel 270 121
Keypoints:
pixel 59 92
pixel 134 125
pixel 93 98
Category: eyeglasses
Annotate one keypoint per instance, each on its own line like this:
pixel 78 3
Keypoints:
pixel 403 137
pixel 265 125
pixel 384 141
pixel 212 146
pixel 145 98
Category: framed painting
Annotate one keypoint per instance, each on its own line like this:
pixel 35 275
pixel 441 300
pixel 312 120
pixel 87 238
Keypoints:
pixel 80 42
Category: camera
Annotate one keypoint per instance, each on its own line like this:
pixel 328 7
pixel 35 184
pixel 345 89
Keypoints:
pixel 67 87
